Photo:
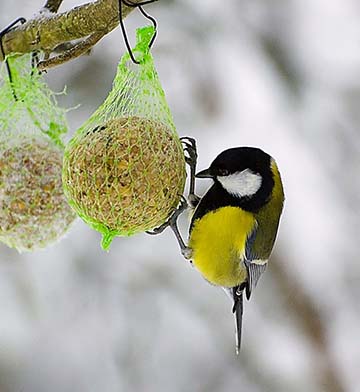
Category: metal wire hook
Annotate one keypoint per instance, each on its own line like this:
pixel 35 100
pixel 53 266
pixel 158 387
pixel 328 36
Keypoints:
pixel 2 33
pixel 34 63
pixel 139 5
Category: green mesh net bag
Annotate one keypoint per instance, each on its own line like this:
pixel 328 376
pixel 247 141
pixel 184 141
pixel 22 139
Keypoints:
pixel 124 170
pixel 33 209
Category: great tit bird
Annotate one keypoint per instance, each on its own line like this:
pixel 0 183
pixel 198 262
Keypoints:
pixel 234 226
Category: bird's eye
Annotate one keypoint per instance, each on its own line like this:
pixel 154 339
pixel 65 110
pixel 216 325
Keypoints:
pixel 223 172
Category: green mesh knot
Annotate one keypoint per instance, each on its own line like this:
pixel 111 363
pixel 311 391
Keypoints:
pixel 108 238
pixel 144 36
pixel 124 169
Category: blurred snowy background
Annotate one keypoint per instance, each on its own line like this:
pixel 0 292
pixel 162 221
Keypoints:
pixel 284 76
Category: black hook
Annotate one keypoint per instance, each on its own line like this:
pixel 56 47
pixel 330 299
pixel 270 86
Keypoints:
pixel 34 63
pixel 2 33
pixel 139 5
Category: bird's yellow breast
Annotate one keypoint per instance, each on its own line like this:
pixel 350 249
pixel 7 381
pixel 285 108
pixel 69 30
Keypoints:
pixel 218 243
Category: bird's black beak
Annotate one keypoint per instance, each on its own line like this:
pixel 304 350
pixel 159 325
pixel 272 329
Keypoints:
pixel 204 174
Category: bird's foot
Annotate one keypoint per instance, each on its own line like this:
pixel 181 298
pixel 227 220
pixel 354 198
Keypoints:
pixel 193 200
pixel 190 153
pixel 172 219
pixel 189 144
pixel 187 253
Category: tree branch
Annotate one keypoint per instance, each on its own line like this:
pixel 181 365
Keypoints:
pixel 45 32
pixel 53 5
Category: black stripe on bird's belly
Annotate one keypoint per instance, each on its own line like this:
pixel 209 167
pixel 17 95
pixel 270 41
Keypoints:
pixel 217 197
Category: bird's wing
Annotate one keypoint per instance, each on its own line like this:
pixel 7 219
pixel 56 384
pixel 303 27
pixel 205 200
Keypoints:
pixel 254 271
pixel 255 265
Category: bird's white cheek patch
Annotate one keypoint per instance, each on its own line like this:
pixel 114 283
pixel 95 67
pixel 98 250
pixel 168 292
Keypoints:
pixel 241 184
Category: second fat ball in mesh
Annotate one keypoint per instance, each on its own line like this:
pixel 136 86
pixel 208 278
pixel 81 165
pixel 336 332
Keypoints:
pixel 33 209
pixel 34 212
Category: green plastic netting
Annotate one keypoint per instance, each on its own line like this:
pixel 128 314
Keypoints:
pixel 33 209
pixel 124 170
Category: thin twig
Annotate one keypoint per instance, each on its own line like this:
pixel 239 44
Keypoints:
pixel 75 51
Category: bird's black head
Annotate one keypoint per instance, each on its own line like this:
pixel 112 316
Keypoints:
pixel 244 173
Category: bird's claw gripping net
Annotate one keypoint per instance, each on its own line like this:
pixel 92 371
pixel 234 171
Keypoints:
pixel 172 223
pixel 190 153
pixel 183 205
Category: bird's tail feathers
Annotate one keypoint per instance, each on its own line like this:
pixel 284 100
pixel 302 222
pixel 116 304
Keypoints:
pixel 238 313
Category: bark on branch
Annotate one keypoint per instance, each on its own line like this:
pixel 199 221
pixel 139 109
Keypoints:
pixel 47 31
